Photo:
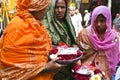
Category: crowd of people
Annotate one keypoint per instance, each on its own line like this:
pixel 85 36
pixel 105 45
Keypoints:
pixel 39 25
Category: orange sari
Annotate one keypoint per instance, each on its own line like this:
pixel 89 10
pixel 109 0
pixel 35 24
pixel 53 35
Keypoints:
pixel 25 45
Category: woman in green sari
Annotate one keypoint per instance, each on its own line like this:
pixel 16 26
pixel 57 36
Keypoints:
pixel 59 25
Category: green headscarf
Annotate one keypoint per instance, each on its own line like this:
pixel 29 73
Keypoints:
pixel 59 32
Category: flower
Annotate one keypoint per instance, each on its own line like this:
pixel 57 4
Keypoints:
pixel 53 56
pixel 96 77
pixel 87 72
pixel 65 52
pixel 69 56
pixel 54 51
pixel 63 44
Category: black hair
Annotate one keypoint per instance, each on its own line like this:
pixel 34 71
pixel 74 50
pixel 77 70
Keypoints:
pixel 102 16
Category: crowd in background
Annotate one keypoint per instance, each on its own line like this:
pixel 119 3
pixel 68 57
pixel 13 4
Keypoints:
pixel 116 22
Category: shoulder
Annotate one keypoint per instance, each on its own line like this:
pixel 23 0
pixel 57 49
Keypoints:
pixel 17 22
pixel 83 39
pixel 83 36
pixel 17 26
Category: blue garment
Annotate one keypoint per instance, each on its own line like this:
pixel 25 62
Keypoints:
pixel 113 77
pixel 116 22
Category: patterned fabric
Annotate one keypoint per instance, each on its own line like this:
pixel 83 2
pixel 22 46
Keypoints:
pixel 32 5
pixel 60 32
pixel 57 30
pixel 106 50
pixel 110 43
pixel 25 47
pixel 89 54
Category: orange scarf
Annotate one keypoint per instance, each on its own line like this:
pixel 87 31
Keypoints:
pixel 25 45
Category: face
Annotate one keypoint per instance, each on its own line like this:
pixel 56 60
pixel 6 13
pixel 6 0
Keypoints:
pixel 100 24
pixel 72 12
pixel 39 15
pixel 117 15
pixel 60 9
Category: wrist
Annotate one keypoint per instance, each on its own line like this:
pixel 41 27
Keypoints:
pixel 44 70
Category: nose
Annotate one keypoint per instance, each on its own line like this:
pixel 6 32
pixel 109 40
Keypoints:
pixel 59 9
pixel 98 23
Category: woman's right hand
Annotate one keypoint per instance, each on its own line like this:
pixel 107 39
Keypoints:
pixel 53 66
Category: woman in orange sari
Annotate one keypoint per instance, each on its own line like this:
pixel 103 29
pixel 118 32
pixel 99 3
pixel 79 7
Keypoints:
pixel 25 44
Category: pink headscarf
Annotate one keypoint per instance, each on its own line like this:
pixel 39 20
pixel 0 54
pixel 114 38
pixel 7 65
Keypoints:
pixel 110 43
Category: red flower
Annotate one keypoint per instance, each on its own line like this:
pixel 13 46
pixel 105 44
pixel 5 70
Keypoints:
pixel 97 71
pixel 63 44
pixel 79 53
pixel 81 77
pixel 76 67
pixel 54 51
pixel 67 57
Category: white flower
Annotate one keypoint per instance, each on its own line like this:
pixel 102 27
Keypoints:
pixel 67 51
pixel 96 77
pixel 53 56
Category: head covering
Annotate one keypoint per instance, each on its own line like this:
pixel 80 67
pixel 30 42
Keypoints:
pixel 109 44
pixel 56 29
pixel 86 11
pixel 27 44
pixel 33 5
pixel 72 6
pixel 24 6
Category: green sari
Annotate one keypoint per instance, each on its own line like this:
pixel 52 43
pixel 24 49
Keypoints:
pixel 60 32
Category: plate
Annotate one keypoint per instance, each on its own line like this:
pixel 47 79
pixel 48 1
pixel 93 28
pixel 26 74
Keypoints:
pixel 68 55
pixel 70 61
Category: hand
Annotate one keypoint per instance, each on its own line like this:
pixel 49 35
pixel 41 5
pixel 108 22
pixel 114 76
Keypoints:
pixel 78 62
pixel 53 66
pixel 75 46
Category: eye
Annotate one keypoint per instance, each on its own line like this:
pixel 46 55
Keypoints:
pixel 56 7
pixel 63 7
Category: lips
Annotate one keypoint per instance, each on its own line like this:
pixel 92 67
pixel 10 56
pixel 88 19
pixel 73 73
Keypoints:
pixel 98 28
pixel 59 15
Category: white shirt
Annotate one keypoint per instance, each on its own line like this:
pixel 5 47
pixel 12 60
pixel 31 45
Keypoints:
pixel 117 76
pixel 76 23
